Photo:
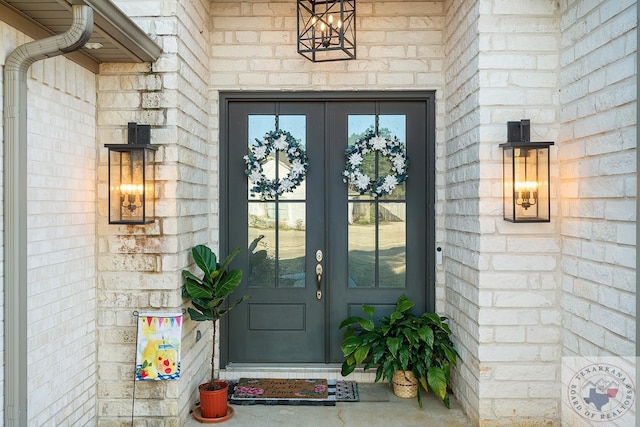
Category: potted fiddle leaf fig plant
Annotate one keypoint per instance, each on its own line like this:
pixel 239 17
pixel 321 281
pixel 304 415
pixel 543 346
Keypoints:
pixel 208 294
pixel 407 350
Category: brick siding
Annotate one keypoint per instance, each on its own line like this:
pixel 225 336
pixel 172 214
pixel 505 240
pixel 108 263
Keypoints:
pixel 520 296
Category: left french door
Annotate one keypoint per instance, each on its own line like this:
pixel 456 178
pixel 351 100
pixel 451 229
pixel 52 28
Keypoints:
pixel 285 317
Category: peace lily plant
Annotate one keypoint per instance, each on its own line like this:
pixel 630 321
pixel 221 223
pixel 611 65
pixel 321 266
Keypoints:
pixel 402 342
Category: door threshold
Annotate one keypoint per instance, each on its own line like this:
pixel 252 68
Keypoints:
pixel 331 371
pixel 284 366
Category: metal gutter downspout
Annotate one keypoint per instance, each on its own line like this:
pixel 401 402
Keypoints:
pixel 15 204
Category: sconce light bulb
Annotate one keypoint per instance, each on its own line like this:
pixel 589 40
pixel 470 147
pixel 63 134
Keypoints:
pixel 131 188
pixel 526 186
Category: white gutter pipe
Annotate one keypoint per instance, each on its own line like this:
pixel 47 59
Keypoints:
pixel 15 204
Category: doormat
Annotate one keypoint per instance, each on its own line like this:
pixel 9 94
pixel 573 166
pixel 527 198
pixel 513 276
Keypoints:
pixel 270 391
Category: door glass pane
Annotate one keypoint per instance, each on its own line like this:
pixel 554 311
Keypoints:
pixel 291 247
pixel 262 244
pixel 377 226
pixel 258 127
pixel 391 126
pixel 392 238
pixel 359 124
pixel 362 244
pixel 276 228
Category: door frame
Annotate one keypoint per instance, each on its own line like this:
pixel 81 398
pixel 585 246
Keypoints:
pixel 227 97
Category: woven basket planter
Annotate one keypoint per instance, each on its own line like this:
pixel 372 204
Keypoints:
pixel 405 385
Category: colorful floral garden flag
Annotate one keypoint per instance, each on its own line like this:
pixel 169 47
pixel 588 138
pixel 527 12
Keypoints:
pixel 158 346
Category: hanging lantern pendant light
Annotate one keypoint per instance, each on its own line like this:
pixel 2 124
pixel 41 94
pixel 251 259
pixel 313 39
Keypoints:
pixel 326 30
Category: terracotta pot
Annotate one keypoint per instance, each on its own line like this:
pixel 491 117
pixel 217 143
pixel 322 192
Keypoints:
pixel 213 403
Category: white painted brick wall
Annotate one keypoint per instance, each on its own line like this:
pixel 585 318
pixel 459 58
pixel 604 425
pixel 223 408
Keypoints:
pixel 501 275
pixel 508 323
pixel 61 240
pixel 399 44
pixel 140 266
pixel 596 149
pixel 61 244
pixel 461 208
pixel 598 174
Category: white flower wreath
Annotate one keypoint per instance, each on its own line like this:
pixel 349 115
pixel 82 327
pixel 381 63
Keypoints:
pixel 391 148
pixel 277 140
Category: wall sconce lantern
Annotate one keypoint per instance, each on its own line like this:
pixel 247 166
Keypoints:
pixel 132 178
pixel 327 30
pixel 526 185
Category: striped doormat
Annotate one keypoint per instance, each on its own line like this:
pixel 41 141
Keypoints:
pixel 280 391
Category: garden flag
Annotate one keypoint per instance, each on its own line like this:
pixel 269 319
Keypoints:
pixel 158 346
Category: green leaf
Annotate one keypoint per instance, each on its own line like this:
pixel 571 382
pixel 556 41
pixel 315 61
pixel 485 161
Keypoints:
pixel 379 373
pixel 423 382
pixel 437 381
pixel 222 312
pixel 385 329
pixel 239 301
pixel 446 401
pixel 367 324
pixel 225 265
pixel 215 303
pixel 197 290
pixel 396 315
pixel 410 336
pixel 205 259
pixel 199 317
pixel 361 353
pixel 393 344
pixel 403 304
pixel 188 275
pixel 350 344
pixel 200 305
pixel 347 368
pixel 450 354
pixel 228 282
pixel 368 310
pixel 389 369
pixel 421 371
pixel 377 354
pixel 426 335
pixel 403 355
pixel 349 321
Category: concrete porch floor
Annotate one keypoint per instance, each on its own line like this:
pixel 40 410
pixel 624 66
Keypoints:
pixel 378 406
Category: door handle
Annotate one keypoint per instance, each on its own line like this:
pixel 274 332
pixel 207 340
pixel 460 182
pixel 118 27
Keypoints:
pixel 319 281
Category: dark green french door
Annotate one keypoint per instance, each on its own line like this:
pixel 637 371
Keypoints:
pixel 312 256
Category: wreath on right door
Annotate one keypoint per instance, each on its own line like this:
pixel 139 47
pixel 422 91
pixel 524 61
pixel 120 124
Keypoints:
pixel 388 147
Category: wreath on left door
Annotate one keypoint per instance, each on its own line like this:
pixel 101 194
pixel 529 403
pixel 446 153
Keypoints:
pixel 277 140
